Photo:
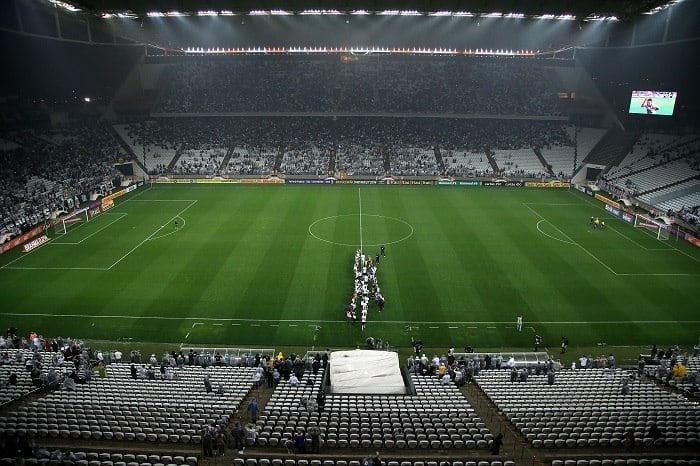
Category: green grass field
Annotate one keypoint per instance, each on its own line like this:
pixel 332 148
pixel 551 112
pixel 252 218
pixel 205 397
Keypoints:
pixel 265 266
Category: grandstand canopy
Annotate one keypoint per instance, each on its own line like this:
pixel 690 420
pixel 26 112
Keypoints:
pixel 581 9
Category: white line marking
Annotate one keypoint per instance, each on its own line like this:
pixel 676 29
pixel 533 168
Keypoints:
pixel 102 269
pixel 150 236
pixel 573 242
pixel 555 204
pixel 343 321
pixel 490 327
pixel 433 326
pixel 187 336
pixel 453 327
pixel 670 245
pixel 161 200
pixel 121 216
pixel 274 325
pixel 293 325
pixel 359 197
pixel 175 230
pixel 550 236
pixel 218 325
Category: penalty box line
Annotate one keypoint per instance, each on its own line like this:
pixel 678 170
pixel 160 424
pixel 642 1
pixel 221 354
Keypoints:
pixel 573 242
pixel 73 243
pixel 192 202
pixel 669 246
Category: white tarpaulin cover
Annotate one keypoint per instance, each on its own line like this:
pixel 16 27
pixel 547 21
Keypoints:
pixel 366 371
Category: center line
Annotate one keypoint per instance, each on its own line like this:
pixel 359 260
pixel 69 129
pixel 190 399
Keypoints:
pixel 359 197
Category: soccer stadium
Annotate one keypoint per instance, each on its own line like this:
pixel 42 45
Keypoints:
pixel 334 233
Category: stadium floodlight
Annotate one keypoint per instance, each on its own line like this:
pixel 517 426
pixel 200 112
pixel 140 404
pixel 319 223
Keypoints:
pixel 464 13
pixel 155 14
pixel 207 13
pixel 595 17
pixel 494 14
pixel 514 15
pixel 661 8
pixel 441 13
pixel 400 13
pixel 227 13
pixel 107 15
pixel 174 13
pixel 280 13
pixel 566 17
pixel 65 5
pixel 359 12
pixel 320 12
pixel 546 16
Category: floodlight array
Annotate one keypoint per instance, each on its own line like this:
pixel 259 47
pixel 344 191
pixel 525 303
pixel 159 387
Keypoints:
pixel 320 12
pixel 361 12
pixel 661 8
pixel 65 5
pixel 481 52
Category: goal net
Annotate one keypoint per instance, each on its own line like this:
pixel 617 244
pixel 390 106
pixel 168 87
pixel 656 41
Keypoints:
pixel 654 227
pixel 69 221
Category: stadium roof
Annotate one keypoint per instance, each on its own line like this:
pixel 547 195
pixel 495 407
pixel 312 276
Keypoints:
pixel 623 9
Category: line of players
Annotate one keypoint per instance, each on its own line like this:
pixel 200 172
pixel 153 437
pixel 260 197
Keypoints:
pixel 366 286
pixel 597 223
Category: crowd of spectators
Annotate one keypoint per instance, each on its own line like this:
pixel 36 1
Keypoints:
pixel 444 85
pixel 673 367
pixel 51 170
pixel 336 146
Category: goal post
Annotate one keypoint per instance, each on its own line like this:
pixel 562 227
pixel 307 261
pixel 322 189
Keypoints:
pixel 658 229
pixel 67 222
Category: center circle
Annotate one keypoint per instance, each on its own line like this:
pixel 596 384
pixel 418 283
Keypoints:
pixel 360 230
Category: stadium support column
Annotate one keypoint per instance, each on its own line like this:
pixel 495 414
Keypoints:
pixel 669 12
pixel 19 17
pixel 58 23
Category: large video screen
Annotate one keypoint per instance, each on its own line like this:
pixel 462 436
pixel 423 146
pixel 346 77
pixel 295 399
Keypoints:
pixel 653 102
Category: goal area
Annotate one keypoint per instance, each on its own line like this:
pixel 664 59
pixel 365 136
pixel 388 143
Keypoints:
pixel 68 222
pixel 654 227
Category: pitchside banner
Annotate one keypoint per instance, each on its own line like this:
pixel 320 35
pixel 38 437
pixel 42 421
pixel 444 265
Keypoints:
pixel 613 210
pixel 458 183
pixel 13 243
pixel 311 181
pixel 608 201
pixel 547 184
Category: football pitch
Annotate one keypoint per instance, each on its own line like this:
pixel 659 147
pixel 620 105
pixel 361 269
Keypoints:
pixel 267 266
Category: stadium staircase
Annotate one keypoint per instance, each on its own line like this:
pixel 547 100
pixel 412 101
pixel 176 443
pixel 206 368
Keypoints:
pixel 278 160
pixel 174 161
pixel 387 160
pixel 438 159
pixel 227 157
pixel 492 161
pixel 543 161
pixel 123 144
pixel 331 160
pixel 611 149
